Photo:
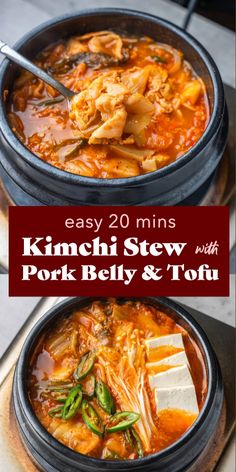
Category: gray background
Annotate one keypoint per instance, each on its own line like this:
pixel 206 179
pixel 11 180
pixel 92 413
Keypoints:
pixel 19 16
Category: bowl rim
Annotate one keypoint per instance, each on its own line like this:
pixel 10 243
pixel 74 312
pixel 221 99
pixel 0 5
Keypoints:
pixel 67 177
pixel 63 308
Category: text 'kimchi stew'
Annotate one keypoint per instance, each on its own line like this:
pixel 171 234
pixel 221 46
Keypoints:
pixel 138 106
pixel 117 380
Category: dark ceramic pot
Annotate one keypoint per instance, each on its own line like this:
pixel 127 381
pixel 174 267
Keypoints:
pixel 31 181
pixel 52 456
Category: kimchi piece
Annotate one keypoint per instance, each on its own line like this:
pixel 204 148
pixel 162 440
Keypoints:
pixel 117 380
pixel 138 106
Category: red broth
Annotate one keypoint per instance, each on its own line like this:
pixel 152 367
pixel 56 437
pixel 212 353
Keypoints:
pixel 115 334
pixel 140 106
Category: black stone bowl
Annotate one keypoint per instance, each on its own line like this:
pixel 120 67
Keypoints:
pixel 52 456
pixel 32 181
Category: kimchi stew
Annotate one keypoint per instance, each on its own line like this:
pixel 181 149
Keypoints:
pixel 138 106
pixel 117 380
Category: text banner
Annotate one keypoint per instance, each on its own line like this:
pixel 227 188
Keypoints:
pixel 119 251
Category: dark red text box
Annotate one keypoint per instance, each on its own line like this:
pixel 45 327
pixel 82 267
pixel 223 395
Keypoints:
pixel 195 226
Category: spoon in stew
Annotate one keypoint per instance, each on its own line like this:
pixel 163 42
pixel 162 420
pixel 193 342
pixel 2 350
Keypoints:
pixel 41 74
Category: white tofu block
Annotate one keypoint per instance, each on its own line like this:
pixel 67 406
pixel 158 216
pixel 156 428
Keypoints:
pixel 176 359
pixel 177 376
pixel 181 398
pixel 175 340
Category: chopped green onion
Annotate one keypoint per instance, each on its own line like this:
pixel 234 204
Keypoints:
pixel 61 399
pixel 50 101
pixel 58 387
pixel 70 153
pixel 56 412
pixel 133 439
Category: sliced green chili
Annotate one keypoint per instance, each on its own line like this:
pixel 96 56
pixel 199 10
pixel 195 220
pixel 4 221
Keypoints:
pixel 133 439
pixel 121 421
pixel 72 403
pixel 56 391
pixel 50 101
pixel 104 397
pixel 56 412
pixel 85 365
pixel 89 386
pixel 92 419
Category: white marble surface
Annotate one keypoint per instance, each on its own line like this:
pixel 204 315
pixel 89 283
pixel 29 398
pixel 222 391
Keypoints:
pixel 220 308
pixel 19 16
pixel 13 313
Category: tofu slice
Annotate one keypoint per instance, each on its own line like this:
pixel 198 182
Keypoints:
pixel 176 359
pixel 175 340
pixel 181 398
pixel 179 376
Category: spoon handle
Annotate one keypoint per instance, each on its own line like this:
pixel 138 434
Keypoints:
pixel 23 62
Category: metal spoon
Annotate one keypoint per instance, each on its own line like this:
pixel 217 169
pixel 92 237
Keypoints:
pixel 26 64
